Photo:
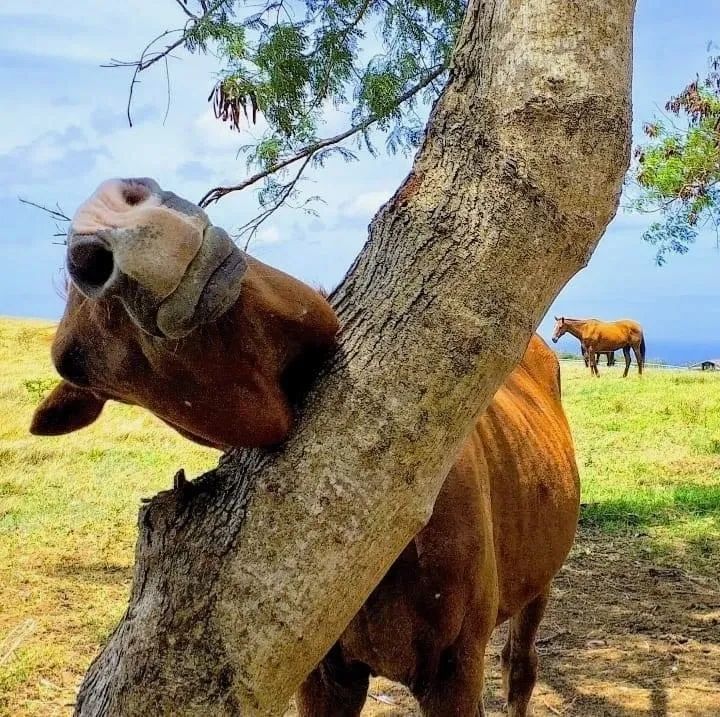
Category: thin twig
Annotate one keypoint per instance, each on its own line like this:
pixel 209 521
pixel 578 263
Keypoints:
pixel 254 224
pixel 218 193
pixel 352 25
pixel 148 59
pixel 184 8
pixel 167 79
pixel 57 214
pixel 15 638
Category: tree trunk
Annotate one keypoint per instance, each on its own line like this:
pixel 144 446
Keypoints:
pixel 245 578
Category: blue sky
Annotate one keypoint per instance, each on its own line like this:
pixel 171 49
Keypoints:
pixel 63 130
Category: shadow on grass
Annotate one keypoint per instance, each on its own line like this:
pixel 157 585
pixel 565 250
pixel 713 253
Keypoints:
pixel 652 509
pixel 100 573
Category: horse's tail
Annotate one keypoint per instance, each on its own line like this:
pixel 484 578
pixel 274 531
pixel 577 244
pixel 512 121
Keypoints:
pixel 642 348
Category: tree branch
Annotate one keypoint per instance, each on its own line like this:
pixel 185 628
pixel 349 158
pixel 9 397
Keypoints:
pixel 346 31
pixel 250 228
pixel 184 8
pixel 57 214
pixel 214 195
pixel 145 62
pixel 148 59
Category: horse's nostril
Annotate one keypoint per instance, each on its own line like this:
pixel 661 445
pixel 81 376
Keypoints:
pixel 90 264
pixel 134 193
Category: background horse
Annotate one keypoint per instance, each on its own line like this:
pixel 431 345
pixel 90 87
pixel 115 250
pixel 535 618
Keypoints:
pixel 603 336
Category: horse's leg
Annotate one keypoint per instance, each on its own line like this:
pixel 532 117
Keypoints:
pixel 626 354
pixel 586 356
pixel 638 358
pixel 457 687
pixel 593 359
pixel 333 688
pixel 519 657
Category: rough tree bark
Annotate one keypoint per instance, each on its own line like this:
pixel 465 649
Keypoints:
pixel 244 579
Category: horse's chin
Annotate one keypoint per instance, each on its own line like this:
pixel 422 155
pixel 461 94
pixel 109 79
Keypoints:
pixel 208 290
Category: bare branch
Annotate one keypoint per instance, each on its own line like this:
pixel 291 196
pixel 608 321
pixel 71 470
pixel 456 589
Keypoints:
pixel 251 227
pixel 183 6
pixel 218 193
pixel 167 79
pixel 57 214
pixel 148 58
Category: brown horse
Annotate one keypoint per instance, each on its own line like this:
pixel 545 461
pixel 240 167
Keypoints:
pixel 598 337
pixel 165 312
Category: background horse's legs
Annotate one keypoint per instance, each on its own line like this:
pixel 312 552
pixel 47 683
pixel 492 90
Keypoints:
pixel 592 360
pixel 610 358
pixel 638 358
pixel 626 353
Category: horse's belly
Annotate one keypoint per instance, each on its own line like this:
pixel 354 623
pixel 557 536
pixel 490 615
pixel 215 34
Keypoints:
pixel 420 607
pixel 535 497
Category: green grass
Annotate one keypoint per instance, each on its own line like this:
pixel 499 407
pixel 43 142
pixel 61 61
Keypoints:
pixel 648 450
pixel 68 508
pixel 649 456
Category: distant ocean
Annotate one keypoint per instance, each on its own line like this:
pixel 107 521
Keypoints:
pixel 674 352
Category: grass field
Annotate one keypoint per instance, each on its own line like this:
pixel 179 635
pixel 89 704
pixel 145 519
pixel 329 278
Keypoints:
pixel 68 507
pixel 649 454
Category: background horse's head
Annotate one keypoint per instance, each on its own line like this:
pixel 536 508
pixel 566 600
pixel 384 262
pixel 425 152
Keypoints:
pixel 559 329
pixel 165 312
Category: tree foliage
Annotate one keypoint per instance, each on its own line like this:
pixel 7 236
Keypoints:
pixel 677 170
pixel 288 61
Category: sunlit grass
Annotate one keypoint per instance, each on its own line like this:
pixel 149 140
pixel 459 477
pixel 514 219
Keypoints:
pixel 649 455
pixel 68 508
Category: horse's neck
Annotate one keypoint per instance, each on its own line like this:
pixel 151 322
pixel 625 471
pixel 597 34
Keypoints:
pixel 575 327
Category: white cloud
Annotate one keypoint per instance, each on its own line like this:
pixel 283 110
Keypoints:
pixel 51 157
pixel 365 204
pixel 210 132
pixel 266 236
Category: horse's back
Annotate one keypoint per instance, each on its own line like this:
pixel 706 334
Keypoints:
pixel 524 442
pixel 629 324
pixel 612 335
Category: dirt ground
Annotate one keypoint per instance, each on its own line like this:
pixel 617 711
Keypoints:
pixel 624 636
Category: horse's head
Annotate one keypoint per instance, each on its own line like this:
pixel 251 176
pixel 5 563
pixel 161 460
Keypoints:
pixel 559 329
pixel 165 312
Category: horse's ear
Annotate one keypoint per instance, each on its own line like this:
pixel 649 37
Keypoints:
pixel 66 409
pixel 556 318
